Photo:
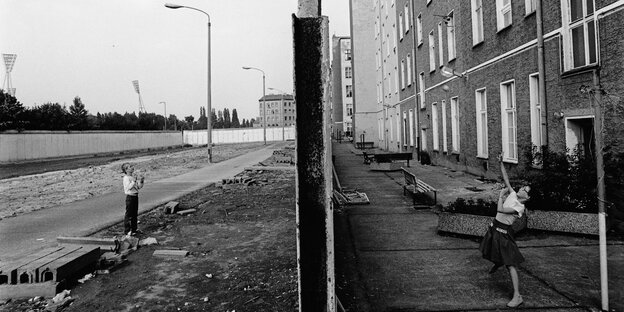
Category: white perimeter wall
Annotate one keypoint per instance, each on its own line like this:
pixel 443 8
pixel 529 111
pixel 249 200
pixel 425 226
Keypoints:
pixel 31 145
pixel 239 135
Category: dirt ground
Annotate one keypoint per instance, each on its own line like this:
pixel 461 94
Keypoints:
pixel 97 176
pixel 242 246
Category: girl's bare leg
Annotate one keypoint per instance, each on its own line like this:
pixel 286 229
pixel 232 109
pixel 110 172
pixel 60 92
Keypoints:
pixel 517 299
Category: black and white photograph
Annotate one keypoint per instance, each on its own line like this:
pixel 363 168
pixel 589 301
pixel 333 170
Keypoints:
pixel 308 155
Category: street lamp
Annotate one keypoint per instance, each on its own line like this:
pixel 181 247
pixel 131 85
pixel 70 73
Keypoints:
pixel 264 121
pixel 208 104
pixel 165 113
pixel 281 110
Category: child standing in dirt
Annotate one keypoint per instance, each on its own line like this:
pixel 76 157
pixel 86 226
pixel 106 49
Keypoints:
pixel 131 184
pixel 498 244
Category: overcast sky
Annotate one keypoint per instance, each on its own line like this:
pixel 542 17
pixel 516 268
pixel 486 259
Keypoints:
pixel 94 49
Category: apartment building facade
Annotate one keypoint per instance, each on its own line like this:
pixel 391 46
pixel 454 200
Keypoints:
pixel 387 75
pixel 342 87
pixel 280 111
pixel 365 105
pixel 508 88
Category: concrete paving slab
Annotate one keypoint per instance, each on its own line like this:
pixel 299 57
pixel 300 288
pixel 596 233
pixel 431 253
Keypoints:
pixel 442 280
pixel 402 232
pixel 566 269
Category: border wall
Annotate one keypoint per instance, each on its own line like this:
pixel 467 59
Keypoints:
pixel 35 145
pixel 239 135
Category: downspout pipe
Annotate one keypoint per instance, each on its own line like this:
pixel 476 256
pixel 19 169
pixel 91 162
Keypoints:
pixel 541 72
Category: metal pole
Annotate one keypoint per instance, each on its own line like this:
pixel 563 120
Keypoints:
pixel 264 106
pixel 209 103
pixel 595 98
pixel 209 111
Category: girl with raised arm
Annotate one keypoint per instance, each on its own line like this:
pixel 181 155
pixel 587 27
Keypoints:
pixel 498 244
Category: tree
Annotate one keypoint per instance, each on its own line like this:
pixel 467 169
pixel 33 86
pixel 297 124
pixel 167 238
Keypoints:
pixel 235 122
pixel 219 123
pixel 78 115
pixel 11 112
pixel 202 122
pixel 49 116
pixel 227 122
pixel 189 121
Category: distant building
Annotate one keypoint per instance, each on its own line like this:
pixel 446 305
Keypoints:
pixel 280 110
pixel 364 64
pixel 342 87
pixel 387 76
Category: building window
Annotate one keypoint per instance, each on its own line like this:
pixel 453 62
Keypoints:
pixel 409 69
pixel 536 111
pixel 477 21
pixel 408 21
pixel 444 132
pixel 432 55
pixel 411 127
pixel 348 72
pixel 421 89
pixel 579 33
pixel 530 6
pixel 440 45
pixel 423 139
pixel 419 28
pixel 482 128
pixel 349 91
pixel 398 128
pixel 396 80
pixel 434 126
pixel 347 54
pixel 455 125
pixel 503 13
pixel 450 36
pixel 402 74
pixel 401 26
pixel 508 121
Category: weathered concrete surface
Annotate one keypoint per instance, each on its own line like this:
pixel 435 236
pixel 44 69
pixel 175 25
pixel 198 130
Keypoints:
pixel 395 260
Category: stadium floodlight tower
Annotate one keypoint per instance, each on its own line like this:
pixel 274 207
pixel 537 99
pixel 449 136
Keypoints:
pixel 9 61
pixel 135 83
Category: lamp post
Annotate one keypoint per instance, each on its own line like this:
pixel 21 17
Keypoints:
pixel 165 103
pixel 283 121
pixel 208 104
pixel 264 118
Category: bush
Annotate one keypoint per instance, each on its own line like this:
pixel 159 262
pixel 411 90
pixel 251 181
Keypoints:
pixel 479 207
pixel 565 182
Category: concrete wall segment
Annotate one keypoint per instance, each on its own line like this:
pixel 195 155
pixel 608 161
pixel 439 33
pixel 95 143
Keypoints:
pixel 31 145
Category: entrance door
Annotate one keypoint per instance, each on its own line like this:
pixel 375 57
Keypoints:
pixel 580 134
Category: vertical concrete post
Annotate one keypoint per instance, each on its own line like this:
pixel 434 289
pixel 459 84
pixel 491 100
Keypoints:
pixel 315 237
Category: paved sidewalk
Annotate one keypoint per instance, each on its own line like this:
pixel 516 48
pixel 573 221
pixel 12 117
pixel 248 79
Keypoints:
pixel 32 231
pixel 401 263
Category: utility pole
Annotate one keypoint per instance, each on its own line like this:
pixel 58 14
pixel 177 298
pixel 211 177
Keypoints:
pixel 595 97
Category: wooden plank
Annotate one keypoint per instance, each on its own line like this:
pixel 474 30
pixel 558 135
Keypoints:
pixel 86 241
pixel 21 291
pixel 170 253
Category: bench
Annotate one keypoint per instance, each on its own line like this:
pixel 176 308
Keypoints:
pixel 386 158
pixel 368 158
pixel 416 186
pixel 362 145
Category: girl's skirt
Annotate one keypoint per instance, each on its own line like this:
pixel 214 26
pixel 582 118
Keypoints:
pixel 499 246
